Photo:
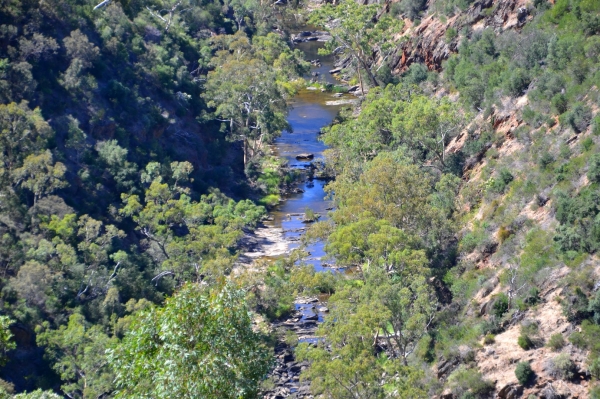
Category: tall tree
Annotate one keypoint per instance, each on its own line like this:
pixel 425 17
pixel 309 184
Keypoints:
pixel 359 32
pixel 199 345
pixel 77 352
pixel 40 175
pixel 22 132
pixel 188 239
pixel 245 94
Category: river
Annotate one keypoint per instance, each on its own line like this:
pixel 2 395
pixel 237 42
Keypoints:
pixel 310 110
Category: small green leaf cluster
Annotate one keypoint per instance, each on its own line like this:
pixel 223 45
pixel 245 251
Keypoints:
pixel 524 373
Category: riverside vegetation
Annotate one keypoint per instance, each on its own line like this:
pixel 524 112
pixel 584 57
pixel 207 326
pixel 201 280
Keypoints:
pixel 133 141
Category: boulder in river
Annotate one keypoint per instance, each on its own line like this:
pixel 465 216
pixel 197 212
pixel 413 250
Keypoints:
pixel 335 70
pixel 305 157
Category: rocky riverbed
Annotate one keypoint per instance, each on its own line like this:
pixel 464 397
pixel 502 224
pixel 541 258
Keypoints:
pixel 282 232
pixel 285 376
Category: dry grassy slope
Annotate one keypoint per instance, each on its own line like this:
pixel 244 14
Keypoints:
pixel 427 43
pixel 497 361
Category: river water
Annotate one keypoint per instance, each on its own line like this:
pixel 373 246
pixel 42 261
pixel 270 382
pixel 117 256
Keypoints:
pixel 310 111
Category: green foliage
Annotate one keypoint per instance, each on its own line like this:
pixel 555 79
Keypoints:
pixel 578 117
pixel 518 82
pixel 579 228
pixel 200 344
pixel 561 367
pixel 213 227
pixel 77 353
pixel 87 98
pixel 587 144
pixel 396 118
pixel 416 74
pixel 254 113
pixel 451 33
pixel 37 394
pixel 356 32
pixel 594 168
pixel 594 368
pixel 310 215
pixel 464 381
pixel 559 103
pixel 556 342
pixel 500 305
pixel 524 373
pixel 6 342
pixel 411 8
pixel 529 339
pixel 115 159
pixel 577 339
pixel 594 392
pixel 525 342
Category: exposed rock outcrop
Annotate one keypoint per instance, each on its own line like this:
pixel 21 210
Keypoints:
pixel 430 43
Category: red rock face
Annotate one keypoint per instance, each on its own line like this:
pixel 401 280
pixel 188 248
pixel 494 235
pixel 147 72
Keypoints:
pixel 428 44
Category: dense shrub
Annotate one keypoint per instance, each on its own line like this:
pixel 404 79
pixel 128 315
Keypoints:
pixel 545 160
pixel 529 335
pixel 451 33
pixel 594 308
pixel 579 117
pixel 575 305
pixel 411 8
pixel 587 144
pixel 596 125
pixel 556 342
pixel 559 103
pixel 594 168
pixel 525 342
pixel 523 372
pixel 489 339
pixel 469 381
pixel 561 367
pixel 500 305
pixel 416 74
pixel 504 233
pixel 577 339
pixel 580 228
pixel 594 368
pixel 518 82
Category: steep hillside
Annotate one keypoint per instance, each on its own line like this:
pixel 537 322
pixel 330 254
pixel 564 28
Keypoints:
pixel 492 107
pixel 131 150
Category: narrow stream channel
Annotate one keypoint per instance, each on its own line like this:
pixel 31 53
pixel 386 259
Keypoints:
pixel 310 111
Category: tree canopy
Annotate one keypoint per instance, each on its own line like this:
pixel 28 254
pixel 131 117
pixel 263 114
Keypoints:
pixel 200 344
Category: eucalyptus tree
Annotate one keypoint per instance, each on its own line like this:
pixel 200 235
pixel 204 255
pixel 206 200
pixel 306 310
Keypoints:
pixel 187 239
pixel 40 175
pixel 77 353
pixel 201 344
pixel 246 95
pixel 359 31
pixel 22 132
pixel 398 117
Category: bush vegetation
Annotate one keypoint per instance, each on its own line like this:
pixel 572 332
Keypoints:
pixel 556 342
pixel 562 367
pixel 524 373
pixel 132 144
